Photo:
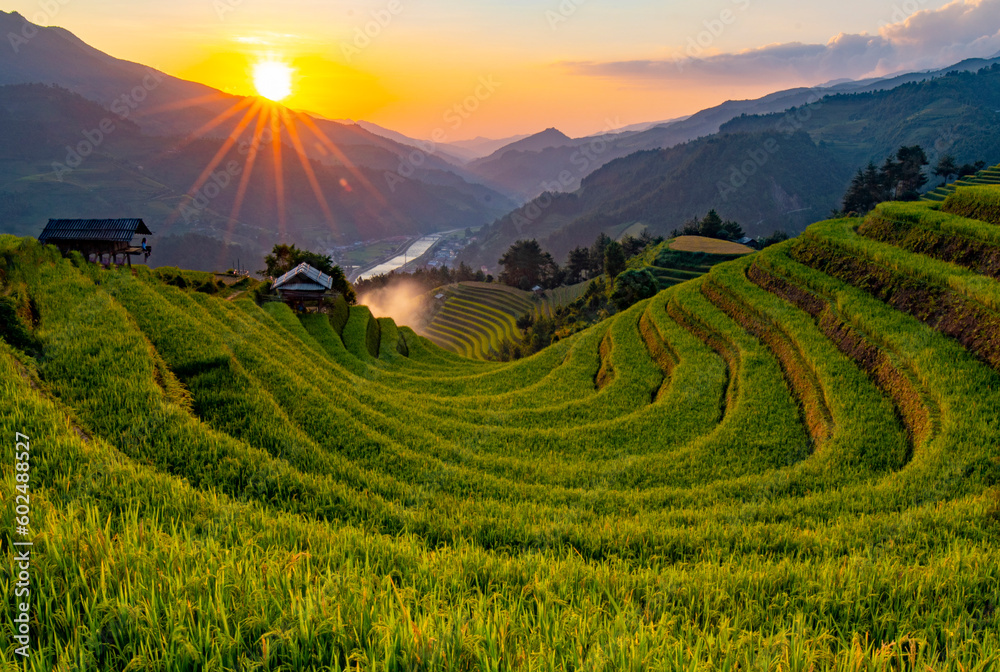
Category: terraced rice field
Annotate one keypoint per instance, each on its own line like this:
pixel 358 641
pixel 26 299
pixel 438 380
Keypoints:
pixel 988 176
pixel 474 317
pixel 790 463
pixel 686 258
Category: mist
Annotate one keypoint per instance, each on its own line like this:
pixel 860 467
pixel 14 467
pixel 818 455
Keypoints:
pixel 402 301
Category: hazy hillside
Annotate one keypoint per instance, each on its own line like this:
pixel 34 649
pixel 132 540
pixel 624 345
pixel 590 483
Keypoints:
pixel 665 188
pixel 789 463
pixel 163 105
pixel 956 114
pixel 133 174
pixel 529 173
pixel 769 172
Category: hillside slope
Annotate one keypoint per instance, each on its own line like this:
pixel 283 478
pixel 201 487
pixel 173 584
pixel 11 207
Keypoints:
pixel 528 172
pixel 791 462
pixel 768 172
pixel 131 173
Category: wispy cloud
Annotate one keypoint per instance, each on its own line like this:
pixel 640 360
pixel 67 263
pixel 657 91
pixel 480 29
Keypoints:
pixel 926 39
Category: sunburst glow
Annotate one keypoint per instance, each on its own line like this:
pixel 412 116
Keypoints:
pixel 273 79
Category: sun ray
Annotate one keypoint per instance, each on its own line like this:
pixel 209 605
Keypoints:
pixel 293 133
pixel 215 121
pixel 226 146
pixel 248 165
pixel 219 155
pixel 336 151
pixel 279 176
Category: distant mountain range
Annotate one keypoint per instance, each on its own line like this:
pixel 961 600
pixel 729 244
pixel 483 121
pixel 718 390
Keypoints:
pixel 164 133
pixel 527 170
pixel 771 171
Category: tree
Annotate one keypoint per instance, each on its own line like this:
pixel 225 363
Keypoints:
pixel 731 231
pixel 711 225
pixel 970 168
pixel 632 286
pixel 898 179
pixel 614 260
pixel 908 176
pixel 465 272
pixel 632 245
pixel 866 190
pixel 526 265
pixel 773 239
pixel 692 227
pixel 284 258
pixel 578 264
pixel 597 253
pixel 946 167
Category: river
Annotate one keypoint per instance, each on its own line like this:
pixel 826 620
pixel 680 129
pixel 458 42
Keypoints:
pixel 415 249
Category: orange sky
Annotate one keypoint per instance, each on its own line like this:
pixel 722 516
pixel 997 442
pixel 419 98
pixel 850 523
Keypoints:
pixel 579 65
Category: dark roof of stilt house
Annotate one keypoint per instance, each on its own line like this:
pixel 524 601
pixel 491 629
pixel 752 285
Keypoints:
pixel 114 230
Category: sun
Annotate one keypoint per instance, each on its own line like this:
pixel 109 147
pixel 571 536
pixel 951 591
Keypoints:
pixel 272 79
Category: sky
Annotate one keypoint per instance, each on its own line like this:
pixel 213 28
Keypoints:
pixel 496 68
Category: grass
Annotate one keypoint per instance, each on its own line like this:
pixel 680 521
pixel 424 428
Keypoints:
pixel 781 463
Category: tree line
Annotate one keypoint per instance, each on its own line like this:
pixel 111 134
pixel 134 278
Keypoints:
pixel 900 178
pixel 526 265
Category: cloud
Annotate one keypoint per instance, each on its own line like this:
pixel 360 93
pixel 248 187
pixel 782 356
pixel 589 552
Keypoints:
pixel 924 40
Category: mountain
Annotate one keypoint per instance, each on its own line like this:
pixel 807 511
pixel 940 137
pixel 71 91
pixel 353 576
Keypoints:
pixel 643 126
pixel 455 158
pixel 164 105
pixel 479 146
pixel 528 175
pixel 769 171
pixel 550 137
pixel 164 125
pixel 50 168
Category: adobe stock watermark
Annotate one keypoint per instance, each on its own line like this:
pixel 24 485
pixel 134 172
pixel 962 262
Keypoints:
pixel 47 10
pixel 714 29
pixel 218 181
pixel 364 35
pixel 793 121
pixel 585 160
pixel 222 179
pixel 945 141
pixel 223 7
pixel 454 117
pixel 562 13
pixel 122 107
pixel 902 11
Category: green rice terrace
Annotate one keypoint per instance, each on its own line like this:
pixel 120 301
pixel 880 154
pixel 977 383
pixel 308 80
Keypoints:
pixel 788 463
pixel 987 176
pixel 471 318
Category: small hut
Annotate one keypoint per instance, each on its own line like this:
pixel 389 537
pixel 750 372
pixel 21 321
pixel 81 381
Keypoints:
pixel 303 283
pixel 97 237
